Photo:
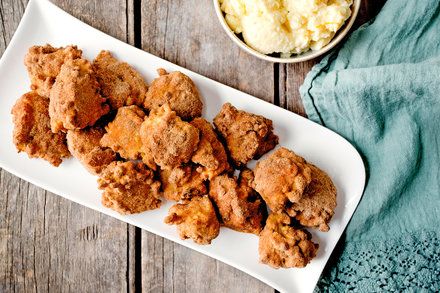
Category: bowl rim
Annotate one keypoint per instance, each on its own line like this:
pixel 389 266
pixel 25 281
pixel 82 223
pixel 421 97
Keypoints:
pixel 340 34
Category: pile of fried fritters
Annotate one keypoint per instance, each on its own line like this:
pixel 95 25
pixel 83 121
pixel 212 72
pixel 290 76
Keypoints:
pixel 144 141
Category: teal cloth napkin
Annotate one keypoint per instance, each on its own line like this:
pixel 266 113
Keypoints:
pixel 381 91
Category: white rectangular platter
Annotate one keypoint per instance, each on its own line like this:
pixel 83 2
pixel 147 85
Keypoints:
pixel 44 23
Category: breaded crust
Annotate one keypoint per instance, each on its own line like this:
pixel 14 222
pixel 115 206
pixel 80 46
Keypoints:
pixel 182 182
pixel 44 64
pixel 177 90
pixel 239 206
pixel 85 146
pixel 129 188
pixel 210 154
pixel 120 84
pixel 168 139
pixel 32 133
pixel 316 208
pixel 248 136
pixel 123 135
pixel 75 102
pixel 281 178
pixel 196 219
pixel 283 246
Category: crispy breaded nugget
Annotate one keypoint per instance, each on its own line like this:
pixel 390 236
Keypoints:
pixel 177 90
pixel 248 136
pixel 281 178
pixel 120 84
pixel 123 135
pixel 210 153
pixel 239 206
pixel 44 64
pixel 75 102
pixel 316 208
pixel 196 219
pixel 85 147
pixel 32 133
pixel 283 246
pixel 168 139
pixel 182 182
pixel 129 188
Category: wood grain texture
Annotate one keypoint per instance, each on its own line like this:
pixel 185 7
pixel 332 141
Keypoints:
pixel 188 34
pixel 51 244
pixel 10 16
pixel 109 16
pixel 48 243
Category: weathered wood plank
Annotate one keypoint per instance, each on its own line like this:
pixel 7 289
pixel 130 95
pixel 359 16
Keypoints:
pixel 107 16
pixel 188 34
pixel 48 243
pixel 291 77
pixel 10 16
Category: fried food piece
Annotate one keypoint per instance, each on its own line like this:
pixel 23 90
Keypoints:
pixel 123 135
pixel 177 90
pixel 248 136
pixel 44 64
pixel 210 154
pixel 129 188
pixel 239 206
pixel 120 84
pixel 316 208
pixel 182 182
pixel 281 178
pixel 84 145
pixel 168 139
pixel 281 245
pixel 196 219
pixel 75 102
pixel 32 133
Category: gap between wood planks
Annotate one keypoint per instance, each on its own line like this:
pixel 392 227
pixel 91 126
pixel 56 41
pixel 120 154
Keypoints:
pixel 135 259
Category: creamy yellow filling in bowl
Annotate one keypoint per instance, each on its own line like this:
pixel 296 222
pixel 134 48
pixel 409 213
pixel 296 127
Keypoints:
pixel 287 30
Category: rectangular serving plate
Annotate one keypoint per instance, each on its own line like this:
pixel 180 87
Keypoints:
pixel 44 23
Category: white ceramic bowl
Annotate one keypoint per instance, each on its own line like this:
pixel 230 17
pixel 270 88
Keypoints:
pixel 294 58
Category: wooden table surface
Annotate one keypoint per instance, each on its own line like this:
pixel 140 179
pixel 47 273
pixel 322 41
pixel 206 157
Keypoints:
pixel 48 243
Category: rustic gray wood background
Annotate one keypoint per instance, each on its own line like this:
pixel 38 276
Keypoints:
pixel 48 243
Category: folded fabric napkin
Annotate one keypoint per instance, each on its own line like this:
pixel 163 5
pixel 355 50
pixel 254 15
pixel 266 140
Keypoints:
pixel 381 91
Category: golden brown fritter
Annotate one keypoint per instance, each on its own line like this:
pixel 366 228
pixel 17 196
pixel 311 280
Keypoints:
pixel 281 245
pixel 168 139
pixel 120 84
pixel 123 135
pixel 182 182
pixel 248 136
pixel 129 188
pixel 196 219
pixel 75 102
pixel 85 147
pixel 281 178
pixel 44 64
pixel 210 154
pixel 239 206
pixel 32 133
pixel 177 90
pixel 316 208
